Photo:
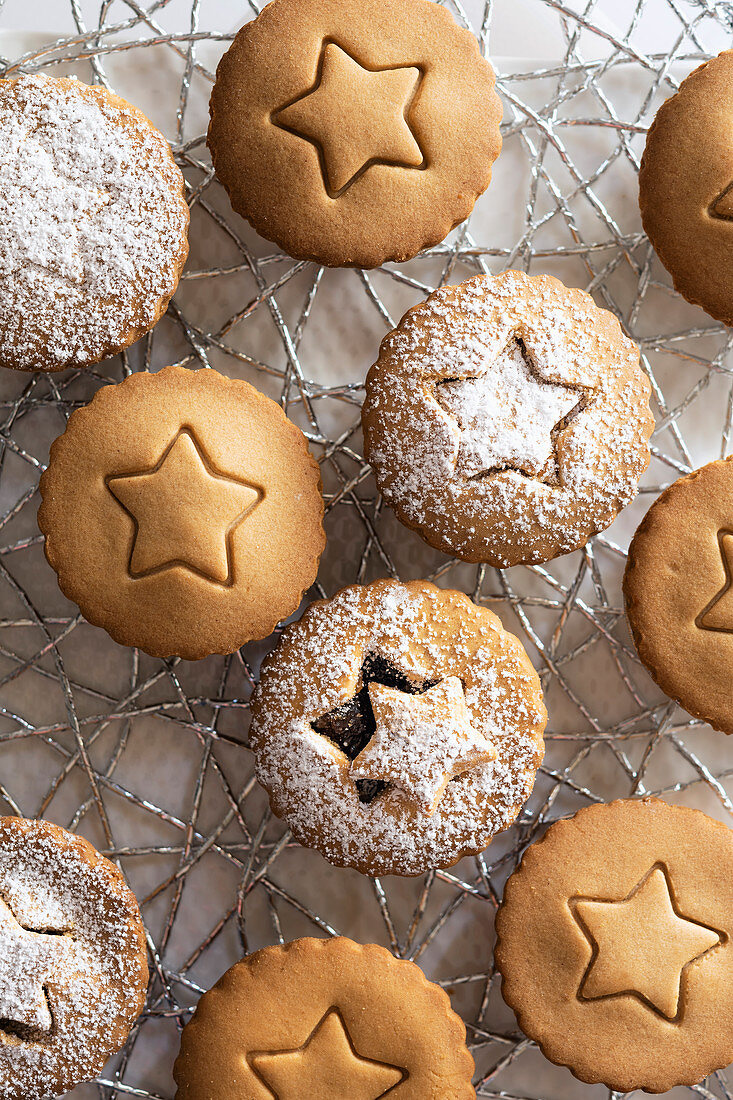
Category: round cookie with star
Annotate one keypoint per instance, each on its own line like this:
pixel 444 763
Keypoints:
pixel 677 589
pixel 182 512
pixel 397 727
pixel 615 945
pixel 686 187
pixel 353 134
pixel 324 1020
pixel 93 224
pixel 73 969
pixel 507 419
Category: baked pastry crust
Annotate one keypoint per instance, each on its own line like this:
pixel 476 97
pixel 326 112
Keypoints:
pixel 272 1005
pixel 182 512
pixel 676 588
pixel 478 489
pixel 93 224
pixel 675 865
pixel 85 955
pixel 427 635
pixel 685 183
pixel 294 173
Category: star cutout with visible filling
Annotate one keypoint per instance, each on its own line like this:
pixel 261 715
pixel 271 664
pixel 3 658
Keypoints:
pixel 326 1067
pixel 27 960
pixel 41 212
pixel 718 615
pixel 509 416
pixel 642 945
pixel 355 117
pixel 722 205
pixel 421 741
pixel 185 512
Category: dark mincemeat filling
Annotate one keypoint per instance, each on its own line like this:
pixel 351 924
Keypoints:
pixel 351 725
pixel 25 1032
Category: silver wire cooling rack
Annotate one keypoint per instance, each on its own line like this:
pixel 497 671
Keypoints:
pixel 149 758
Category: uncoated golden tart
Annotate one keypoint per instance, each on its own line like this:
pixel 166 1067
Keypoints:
pixel 354 133
pixel 182 512
pixel 507 419
pixel 324 1020
pixel 686 187
pixel 73 969
pixel 397 727
pixel 677 588
pixel 614 942
pixel 93 223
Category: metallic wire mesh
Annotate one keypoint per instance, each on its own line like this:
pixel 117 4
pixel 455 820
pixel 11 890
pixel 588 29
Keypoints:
pixel 148 758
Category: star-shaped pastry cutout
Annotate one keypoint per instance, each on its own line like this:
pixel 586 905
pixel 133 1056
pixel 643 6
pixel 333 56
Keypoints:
pixel 509 416
pixel 722 205
pixel 185 512
pixel 421 741
pixel 718 615
pixel 642 945
pixel 27 960
pixel 355 117
pixel 326 1067
pixel 41 213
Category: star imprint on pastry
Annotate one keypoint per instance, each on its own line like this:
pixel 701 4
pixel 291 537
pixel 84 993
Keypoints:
pixel 718 614
pixel 41 212
pixel 326 1067
pixel 28 958
pixel 421 741
pixel 509 416
pixel 642 945
pixel 185 512
pixel 722 205
pixel 355 117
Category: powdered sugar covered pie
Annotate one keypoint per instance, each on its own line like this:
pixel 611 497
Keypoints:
pixel 507 419
pixel 73 969
pixel 397 727
pixel 93 223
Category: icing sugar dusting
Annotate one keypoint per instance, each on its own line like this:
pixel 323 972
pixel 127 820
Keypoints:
pixel 72 987
pixel 40 212
pixel 421 741
pixel 92 223
pixel 426 457
pixel 27 962
pixel 424 633
pixel 506 416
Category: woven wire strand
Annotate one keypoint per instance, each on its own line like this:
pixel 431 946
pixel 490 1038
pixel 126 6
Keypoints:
pixel 149 759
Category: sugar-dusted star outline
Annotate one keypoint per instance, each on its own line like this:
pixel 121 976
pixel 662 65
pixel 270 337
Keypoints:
pixel 642 945
pixel 718 614
pixel 28 960
pixel 421 741
pixel 355 117
pixel 326 1067
pixel 185 511
pixel 524 406
pixel 43 211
